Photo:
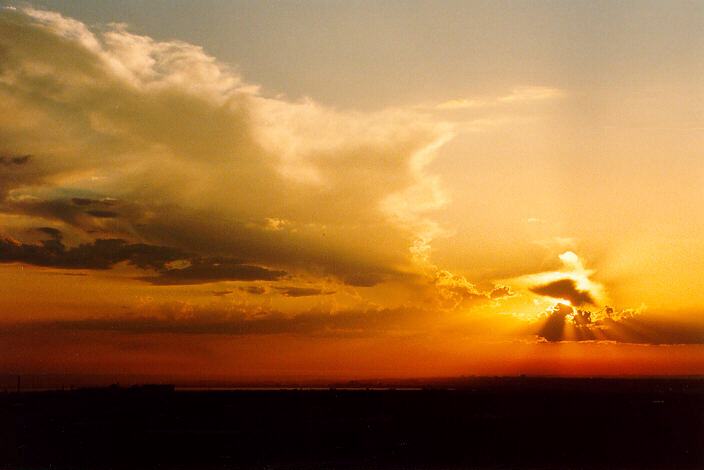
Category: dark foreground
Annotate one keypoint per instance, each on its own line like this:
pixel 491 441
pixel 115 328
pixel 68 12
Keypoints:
pixel 483 423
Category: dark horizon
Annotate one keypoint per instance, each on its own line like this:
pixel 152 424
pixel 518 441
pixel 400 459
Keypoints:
pixel 49 381
pixel 490 423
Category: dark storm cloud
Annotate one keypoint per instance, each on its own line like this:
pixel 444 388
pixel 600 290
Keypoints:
pixel 85 201
pixel 176 229
pixel 290 291
pixel 100 254
pixel 105 253
pixel 207 270
pixel 53 209
pixel 14 160
pixel 235 238
pixel 52 232
pixel 15 169
pixel 102 214
pixel 82 201
pixel 565 289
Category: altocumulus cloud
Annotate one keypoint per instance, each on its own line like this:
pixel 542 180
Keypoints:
pixel 188 155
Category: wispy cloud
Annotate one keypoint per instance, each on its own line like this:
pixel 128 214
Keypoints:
pixel 518 95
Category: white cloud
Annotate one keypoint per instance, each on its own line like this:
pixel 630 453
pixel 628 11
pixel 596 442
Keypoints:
pixel 199 159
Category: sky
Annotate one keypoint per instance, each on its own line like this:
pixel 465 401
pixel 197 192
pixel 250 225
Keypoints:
pixel 343 190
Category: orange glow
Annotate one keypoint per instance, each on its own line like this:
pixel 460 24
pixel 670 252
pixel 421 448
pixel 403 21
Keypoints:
pixel 162 214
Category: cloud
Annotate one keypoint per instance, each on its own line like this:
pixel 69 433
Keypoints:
pixel 292 291
pixel 178 318
pixel 564 289
pixel 455 291
pixel 565 323
pixel 254 290
pixel 572 282
pixel 499 292
pixel 586 318
pixel 14 160
pixel 105 253
pixel 221 293
pixel 531 93
pixel 517 95
pixel 193 157
pixel 52 232
pixel 100 254
pixel 653 330
pixel 102 214
pixel 53 210
pixel 554 325
pixel 200 271
pixel 84 201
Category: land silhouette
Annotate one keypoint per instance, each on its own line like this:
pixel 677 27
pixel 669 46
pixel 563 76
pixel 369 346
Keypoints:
pixel 512 422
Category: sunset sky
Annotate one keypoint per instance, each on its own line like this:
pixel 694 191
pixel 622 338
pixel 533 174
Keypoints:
pixel 341 190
